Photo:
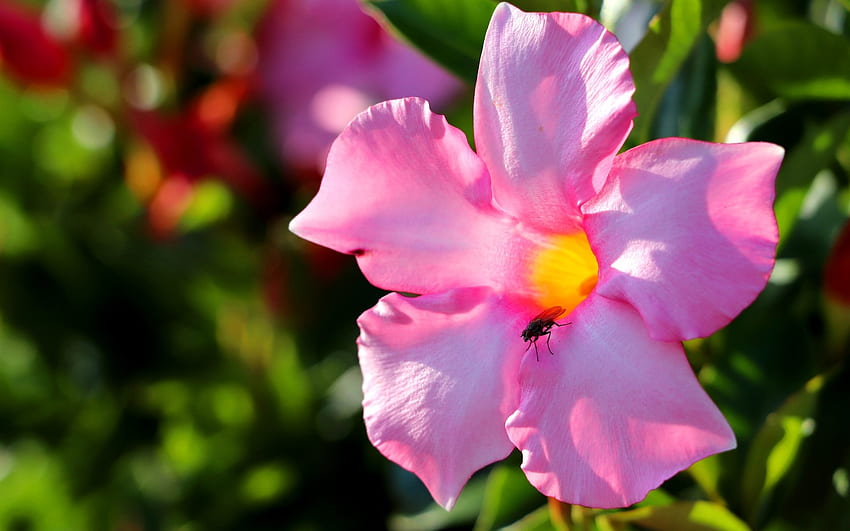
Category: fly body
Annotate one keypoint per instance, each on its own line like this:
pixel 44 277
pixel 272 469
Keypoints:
pixel 541 325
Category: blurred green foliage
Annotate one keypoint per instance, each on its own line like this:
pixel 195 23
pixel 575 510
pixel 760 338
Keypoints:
pixel 208 380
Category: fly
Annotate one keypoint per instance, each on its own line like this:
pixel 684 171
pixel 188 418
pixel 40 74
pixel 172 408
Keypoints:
pixel 542 325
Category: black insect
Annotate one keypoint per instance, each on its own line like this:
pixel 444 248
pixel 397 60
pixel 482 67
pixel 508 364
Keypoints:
pixel 542 325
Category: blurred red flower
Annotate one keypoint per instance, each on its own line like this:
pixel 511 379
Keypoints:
pixel 96 29
pixel 837 271
pixel 194 144
pixel 27 52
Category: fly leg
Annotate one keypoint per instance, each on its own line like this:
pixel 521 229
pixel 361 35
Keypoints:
pixel 533 342
pixel 549 335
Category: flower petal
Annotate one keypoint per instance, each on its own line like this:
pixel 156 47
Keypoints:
pixel 685 232
pixel 552 108
pixel 613 413
pixel 405 194
pixel 439 380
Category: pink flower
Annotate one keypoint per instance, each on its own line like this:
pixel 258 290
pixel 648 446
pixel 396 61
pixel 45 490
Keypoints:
pixel 735 29
pixel 324 61
pixel 665 242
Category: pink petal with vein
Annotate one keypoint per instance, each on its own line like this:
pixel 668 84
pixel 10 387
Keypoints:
pixel 613 413
pixel 552 108
pixel 405 194
pixel 439 380
pixel 685 232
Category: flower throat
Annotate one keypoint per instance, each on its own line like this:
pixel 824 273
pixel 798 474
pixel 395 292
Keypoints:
pixel 564 272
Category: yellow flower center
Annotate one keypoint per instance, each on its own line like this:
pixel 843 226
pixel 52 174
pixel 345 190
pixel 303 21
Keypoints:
pixel 564 272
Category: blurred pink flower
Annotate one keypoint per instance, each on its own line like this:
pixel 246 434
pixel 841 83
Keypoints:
pixel 27 52
pixel 323 61
pixel 665 242
pixel 734 29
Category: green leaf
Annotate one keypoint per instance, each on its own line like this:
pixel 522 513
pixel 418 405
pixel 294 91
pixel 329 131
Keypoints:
pixel 833 514
pixel 797 60
pixel 688 108
pixel 211 202
pixel 34 489
pixel 17 233
pixel 435 517
pixel 506 496
pixel 776 445
pixel 813 153
pixel 706 473
pixel 657 497
pixel 658 57
pixel 535 521
pixel 588 7
pixel 681 516
pixel 449 31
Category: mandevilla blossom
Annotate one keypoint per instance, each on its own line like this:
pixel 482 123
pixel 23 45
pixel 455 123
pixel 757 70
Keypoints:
pixel 665 242
pixel 735 27
pixel 321 62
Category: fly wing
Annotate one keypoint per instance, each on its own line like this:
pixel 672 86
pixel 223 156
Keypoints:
pixel 550 314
